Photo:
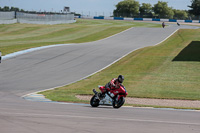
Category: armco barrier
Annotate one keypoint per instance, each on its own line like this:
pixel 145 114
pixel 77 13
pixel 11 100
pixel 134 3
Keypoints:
pixel 129 19
pixel 147 19
pixel 118 18
pixel 181 21
pixel 164 20
pixel 141 19
pixel 188 21
pixel 155 19
pixel 172 20
pixel 98 17
pixel 108 18
pixel 195 21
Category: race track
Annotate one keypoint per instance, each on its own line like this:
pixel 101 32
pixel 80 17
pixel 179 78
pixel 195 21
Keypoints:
pixel 57 66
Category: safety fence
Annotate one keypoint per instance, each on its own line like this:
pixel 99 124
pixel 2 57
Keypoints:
pixel 21 17
pixel 7 15
pixel 139 19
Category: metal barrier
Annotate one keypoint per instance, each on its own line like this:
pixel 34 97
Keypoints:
pixel 7 18
pixel 7 15
pixel 20 17
pixel 140 19
pixel 45 18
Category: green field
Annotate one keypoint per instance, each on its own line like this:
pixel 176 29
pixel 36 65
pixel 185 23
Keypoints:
pixel 16 37
pixel 164 72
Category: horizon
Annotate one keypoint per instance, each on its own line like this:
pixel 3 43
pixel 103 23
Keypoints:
pixel 87 7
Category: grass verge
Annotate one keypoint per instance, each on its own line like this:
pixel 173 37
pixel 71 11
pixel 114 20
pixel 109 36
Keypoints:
pixel 149 72
pixel 16 37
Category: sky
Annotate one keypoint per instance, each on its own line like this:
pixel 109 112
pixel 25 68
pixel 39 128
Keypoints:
pixel 84 7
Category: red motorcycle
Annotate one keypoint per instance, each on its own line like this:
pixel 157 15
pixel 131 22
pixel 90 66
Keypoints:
pixel 114 97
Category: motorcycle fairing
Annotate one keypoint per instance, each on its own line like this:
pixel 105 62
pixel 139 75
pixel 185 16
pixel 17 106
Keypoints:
pixel 106 101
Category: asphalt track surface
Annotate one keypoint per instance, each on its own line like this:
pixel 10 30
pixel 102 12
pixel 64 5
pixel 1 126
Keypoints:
pixel 57 66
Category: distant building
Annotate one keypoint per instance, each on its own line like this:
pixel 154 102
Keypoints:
pixel 66 9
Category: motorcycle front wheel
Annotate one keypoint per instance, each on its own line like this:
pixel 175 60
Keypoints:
pixel 119 103
pixel 94 102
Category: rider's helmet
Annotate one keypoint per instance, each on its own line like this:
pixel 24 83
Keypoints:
pixel 120 78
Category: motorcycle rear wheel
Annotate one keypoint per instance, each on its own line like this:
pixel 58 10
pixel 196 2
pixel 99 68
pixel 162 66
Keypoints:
pixel 94 102
pixel 119 103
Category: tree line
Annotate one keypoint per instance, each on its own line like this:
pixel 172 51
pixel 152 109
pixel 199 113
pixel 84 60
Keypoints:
pixel 132 8
pixel 7 8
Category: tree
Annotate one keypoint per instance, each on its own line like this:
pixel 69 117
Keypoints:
pixel 195 8
pixel 6 8
pixel 162 9
pixel 146 8
pixel 127 8
pixel 180 14
pixel 22 10
pixel 14 9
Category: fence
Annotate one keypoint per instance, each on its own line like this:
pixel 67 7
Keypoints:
pixel 7 15
pixel 20 17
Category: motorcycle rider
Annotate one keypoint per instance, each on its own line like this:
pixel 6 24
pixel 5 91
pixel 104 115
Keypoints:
pixel 163 24
pixel 114 83
pixel 0 56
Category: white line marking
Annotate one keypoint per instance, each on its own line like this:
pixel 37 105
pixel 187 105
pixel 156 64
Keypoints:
pixel 98 118
pixel 8 56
